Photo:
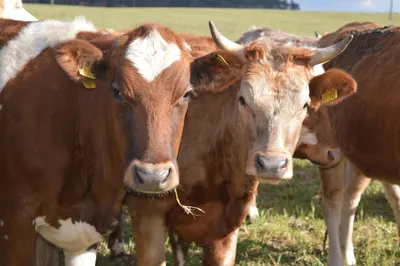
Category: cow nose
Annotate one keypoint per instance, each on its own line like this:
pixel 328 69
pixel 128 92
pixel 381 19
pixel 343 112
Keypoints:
pixel 271 165
pixel 150 177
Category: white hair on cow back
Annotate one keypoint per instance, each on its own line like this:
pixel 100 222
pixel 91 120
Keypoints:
pixel 33 39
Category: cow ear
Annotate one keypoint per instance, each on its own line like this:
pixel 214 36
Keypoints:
pixel 81 61
pixel 216 71
pixel 331 87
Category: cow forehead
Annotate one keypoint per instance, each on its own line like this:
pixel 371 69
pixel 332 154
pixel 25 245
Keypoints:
pixel 152 54
pixel 276 90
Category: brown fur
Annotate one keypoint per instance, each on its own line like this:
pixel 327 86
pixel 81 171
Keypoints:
pixel 212 160
pixel 79 142
pixel 363 128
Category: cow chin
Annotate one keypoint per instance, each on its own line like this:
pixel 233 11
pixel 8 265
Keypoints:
pixel 151 179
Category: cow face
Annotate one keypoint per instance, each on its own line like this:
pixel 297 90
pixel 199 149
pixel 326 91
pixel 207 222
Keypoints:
pixel 317 142
pixel 274 98
pixel 148 70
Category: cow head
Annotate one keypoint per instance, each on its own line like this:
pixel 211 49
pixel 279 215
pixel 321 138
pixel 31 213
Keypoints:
pixel 317 142
pixel 148 70
pixel 274 98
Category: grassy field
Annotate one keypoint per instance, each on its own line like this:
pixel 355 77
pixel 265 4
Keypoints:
pixel 231 21
pixel 291 229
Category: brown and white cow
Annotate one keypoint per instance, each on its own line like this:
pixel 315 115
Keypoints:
pixel 66 151
pixel 364 128
pixel 233 138
pixel 13 9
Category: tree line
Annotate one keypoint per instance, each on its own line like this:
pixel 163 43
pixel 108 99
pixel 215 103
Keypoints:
pixel 269 4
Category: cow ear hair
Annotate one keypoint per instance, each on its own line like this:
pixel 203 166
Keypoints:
pixel 80 60
pixel 331 87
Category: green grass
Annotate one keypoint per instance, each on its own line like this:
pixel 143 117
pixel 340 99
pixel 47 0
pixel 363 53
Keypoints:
pixel 291 229
pixel 231 22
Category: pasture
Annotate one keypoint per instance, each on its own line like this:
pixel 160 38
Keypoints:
pixel 291 229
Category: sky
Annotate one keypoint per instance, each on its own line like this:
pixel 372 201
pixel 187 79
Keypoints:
pixel 349 5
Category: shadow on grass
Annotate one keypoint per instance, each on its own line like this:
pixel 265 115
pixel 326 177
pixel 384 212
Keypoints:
pixel 301 196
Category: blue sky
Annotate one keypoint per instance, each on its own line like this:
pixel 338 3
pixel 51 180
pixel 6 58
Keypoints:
pixel 349 5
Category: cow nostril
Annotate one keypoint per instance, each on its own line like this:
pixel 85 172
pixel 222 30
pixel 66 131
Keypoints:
pixel 330 156
pixel 165 174
pixel 136 175
pixel 259 162
pixel 282 164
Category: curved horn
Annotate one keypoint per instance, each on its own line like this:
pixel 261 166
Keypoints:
pixel 221 41
pixel 326 54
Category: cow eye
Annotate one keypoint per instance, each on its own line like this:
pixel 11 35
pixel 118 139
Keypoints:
pixel 188 94
pixel 305 106
pixel 116 91
pixel 242 101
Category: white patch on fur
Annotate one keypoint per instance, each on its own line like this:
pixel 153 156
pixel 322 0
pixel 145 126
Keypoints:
pixel 1 221
pixel 318 70
pixel 32 40
pixel 179 254
pixel 14 10
pixel 86 258
pixel 118 248
pixel 152 55
pixel 253 213
pixel 74 237
pixel 307 137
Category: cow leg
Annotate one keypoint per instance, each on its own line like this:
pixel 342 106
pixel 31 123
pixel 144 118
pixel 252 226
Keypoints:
pixel 392 193
pixel 86 258
pixel 253 210
pixel 46 253
pixel 354 185
pixel 149 232
pixel 180 248
pixel 221 252
pixel 116 240
pixel 332 195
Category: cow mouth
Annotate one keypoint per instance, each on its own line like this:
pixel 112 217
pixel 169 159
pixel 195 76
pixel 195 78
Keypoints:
pixel 149 194
pixel 270 180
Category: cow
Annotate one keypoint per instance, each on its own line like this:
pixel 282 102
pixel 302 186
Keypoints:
pixel 85 117
pixel 233 138
pixel 275 35
pixel 13 9
pixel 363 128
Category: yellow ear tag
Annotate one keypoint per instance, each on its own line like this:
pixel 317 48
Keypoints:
pixel 89 84
pixel 329 95
pixel 221 59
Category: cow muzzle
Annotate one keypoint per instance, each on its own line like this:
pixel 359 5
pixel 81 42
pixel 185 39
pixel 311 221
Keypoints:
pixel 151 178
pixel 270 167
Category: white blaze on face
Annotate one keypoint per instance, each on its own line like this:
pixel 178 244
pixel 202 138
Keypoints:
pixel 75 237
pixel 307 137
pixel 152 55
